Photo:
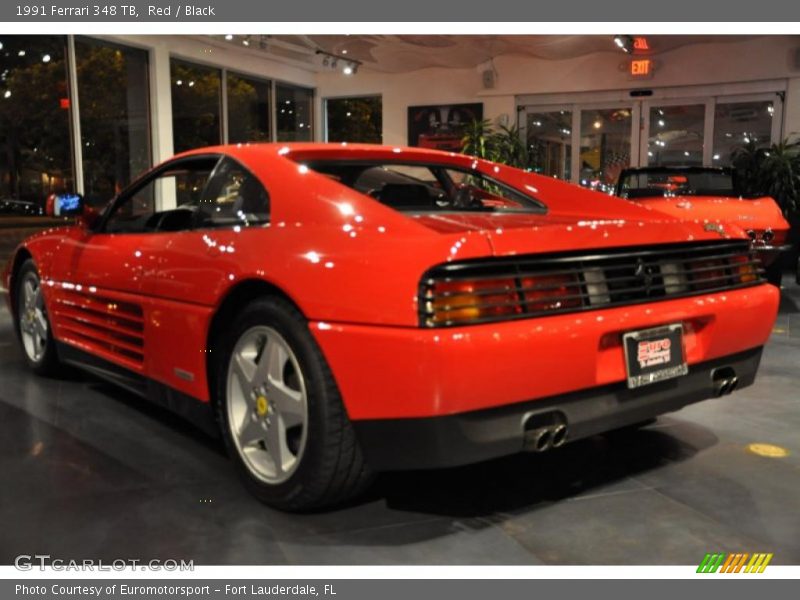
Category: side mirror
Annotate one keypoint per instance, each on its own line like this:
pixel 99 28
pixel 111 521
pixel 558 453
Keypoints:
pixel 65 205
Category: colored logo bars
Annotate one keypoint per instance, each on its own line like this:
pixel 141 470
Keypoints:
pixel 735 563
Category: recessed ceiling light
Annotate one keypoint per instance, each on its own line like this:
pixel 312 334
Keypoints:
pixel 46 58
pixel 229 37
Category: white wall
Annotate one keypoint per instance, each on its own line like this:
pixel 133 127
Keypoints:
pixel 716 64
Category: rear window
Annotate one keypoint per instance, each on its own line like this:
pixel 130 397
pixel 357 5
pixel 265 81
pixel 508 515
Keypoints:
pixel 660 184
pixel 420 187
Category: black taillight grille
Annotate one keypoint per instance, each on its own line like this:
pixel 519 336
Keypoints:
pixel 480 291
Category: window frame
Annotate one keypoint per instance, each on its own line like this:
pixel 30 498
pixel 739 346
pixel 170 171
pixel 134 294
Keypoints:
pixel 540 206
pixel 127 194
pixel 147 178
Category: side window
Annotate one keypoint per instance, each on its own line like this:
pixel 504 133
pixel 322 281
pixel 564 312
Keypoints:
pixel 232 197
pixel 179 187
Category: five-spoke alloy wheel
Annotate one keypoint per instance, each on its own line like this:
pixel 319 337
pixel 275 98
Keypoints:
pixel 280 410
pixel 33 324
pixel 267 404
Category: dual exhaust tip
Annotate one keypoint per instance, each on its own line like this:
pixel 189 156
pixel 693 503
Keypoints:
pixel 723 387
pixel 724 381
pixel 546 431
pixel 541 439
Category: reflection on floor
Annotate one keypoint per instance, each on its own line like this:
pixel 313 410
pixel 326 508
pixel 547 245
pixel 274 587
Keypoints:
pixel 89 471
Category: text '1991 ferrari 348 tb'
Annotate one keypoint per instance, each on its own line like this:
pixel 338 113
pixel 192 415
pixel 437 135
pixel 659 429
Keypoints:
pixel 340 310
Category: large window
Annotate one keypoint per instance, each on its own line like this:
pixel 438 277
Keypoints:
pixel 293 112
pixel 114 116
pixel 354 119
pixel 248 109
pixel 549 136
pixel 196 105
pixel 35 140
pixel 738 124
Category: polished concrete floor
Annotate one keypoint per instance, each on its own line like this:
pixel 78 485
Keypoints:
pixel 88 471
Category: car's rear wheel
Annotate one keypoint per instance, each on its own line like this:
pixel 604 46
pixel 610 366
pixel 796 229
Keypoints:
pixel 281 413
pixel 33 323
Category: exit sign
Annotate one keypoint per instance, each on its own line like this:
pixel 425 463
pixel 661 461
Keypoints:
pixel 641 68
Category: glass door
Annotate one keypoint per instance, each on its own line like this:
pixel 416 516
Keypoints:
pixel 589 143
pixel 674 133
pixel 608 144
pixel 549 137
pixel 744 122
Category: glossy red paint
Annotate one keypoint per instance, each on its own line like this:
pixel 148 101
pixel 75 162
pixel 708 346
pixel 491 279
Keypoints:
pixel 353 266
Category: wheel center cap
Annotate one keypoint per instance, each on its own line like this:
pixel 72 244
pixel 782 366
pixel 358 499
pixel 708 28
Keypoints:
pixel 262 406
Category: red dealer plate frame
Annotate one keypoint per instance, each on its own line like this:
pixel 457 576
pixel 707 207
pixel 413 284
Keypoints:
pixel 653 355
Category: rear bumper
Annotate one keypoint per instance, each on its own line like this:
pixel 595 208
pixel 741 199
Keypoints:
pixel 447 441
pixel 402 372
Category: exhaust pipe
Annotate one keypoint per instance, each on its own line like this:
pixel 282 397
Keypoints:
pixel 559 436
pixel 724 381
pixel 539 439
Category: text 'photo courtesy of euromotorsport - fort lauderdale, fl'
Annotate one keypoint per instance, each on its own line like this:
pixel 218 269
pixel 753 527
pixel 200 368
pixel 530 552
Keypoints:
pixel 306 299
pixel 170 590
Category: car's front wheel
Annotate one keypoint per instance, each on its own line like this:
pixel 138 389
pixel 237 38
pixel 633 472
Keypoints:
pixel 33 323
pixel 281 413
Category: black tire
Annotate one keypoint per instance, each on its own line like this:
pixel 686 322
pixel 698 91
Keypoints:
pixel 797 272
pixel 774 273
pixel 47 364
pixel 332 468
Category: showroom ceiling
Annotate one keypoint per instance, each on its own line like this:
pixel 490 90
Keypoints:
pixel 403 53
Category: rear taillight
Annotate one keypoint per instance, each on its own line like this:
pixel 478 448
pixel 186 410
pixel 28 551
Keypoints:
pixel 520 287
pixel 551 292
pixel 452 302
pixel 465 301
pixel 708 274
pixel 745 268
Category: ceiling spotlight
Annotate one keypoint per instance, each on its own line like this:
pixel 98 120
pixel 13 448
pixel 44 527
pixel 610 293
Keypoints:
pixel 349 65
pixel 246 41
pixel 229 37
pixel 7 94
pixel 1 45
pixel 21 53
pixel 624 43
pixel 179 82
pixel 46 58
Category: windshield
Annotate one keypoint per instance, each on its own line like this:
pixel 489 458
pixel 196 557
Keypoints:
pixel 659 184
pixel 421 187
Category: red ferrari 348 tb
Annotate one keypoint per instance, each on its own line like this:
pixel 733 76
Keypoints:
pixel 338 310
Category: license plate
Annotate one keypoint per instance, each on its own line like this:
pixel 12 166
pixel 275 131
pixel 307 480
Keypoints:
pixel 653 355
